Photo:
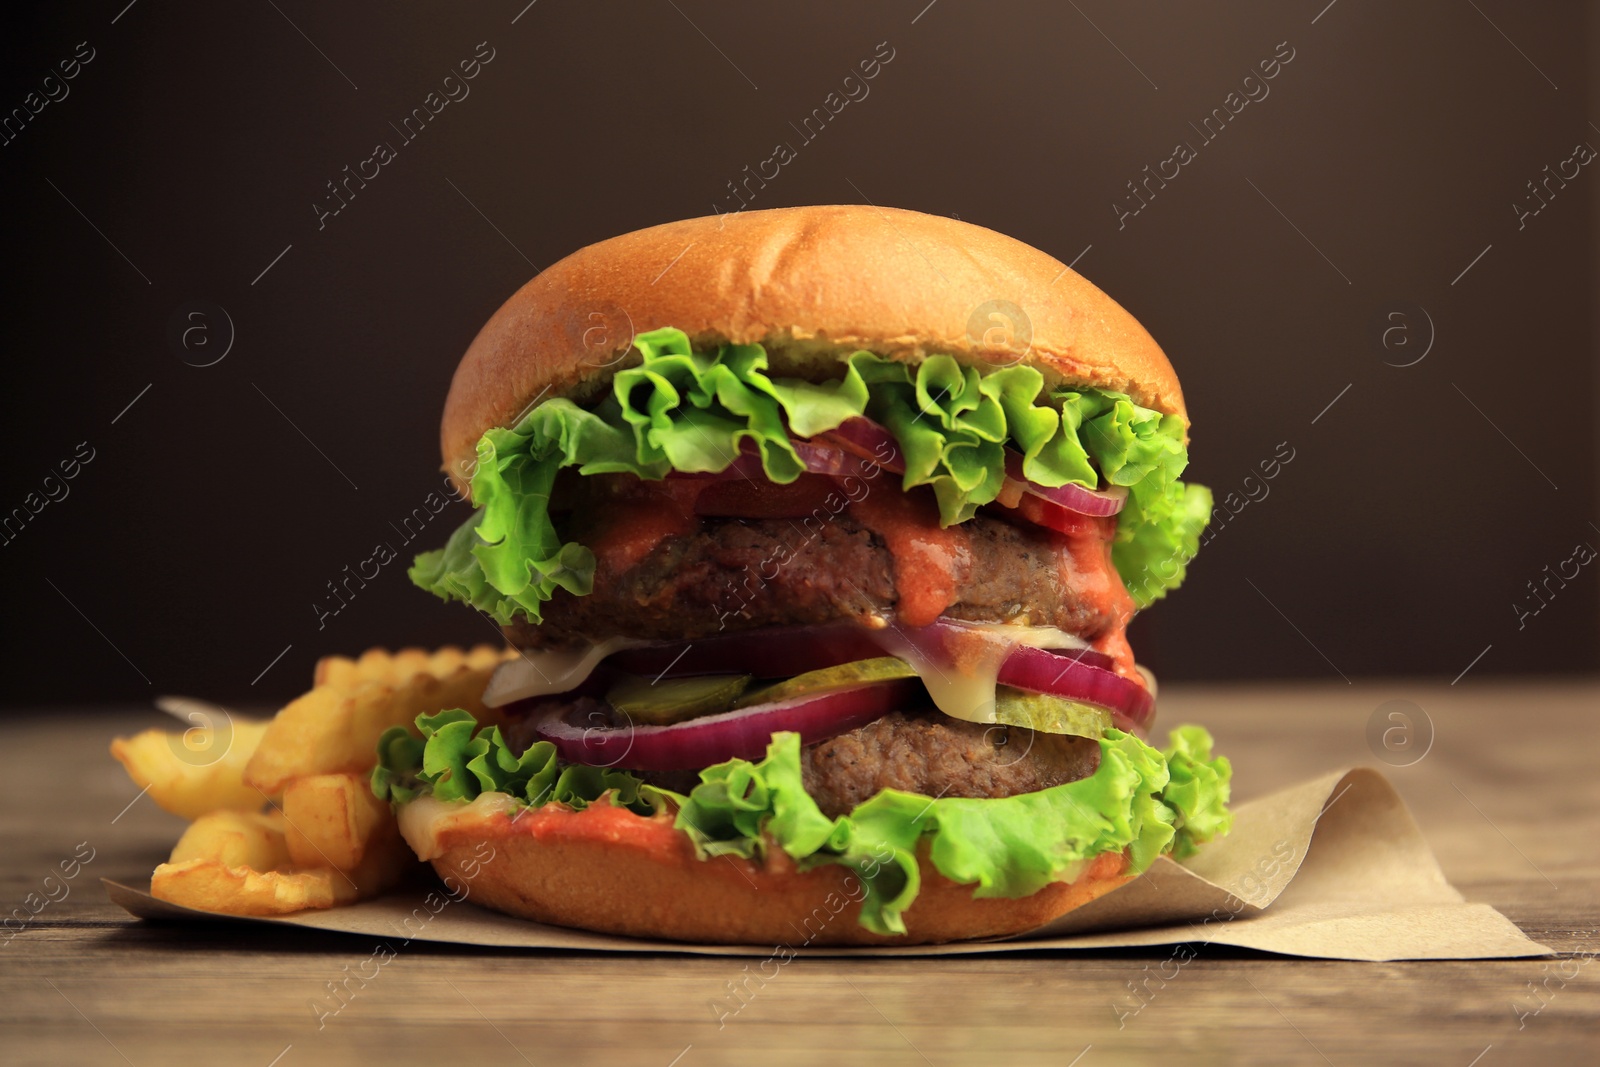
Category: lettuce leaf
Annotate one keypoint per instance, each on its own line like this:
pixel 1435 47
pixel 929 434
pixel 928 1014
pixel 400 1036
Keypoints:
pixel 457 760
pixel 1139 800
pixel 1157 537
pixel 1158 531
pixel 679 409
pixel 1197 790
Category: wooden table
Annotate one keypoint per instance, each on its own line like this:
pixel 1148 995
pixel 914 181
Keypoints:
pixel 1508 795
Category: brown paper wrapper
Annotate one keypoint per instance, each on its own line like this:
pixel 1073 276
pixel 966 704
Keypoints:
pixel 1334 868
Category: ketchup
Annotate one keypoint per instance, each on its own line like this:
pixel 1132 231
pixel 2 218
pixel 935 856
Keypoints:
pixel 928 561
pixel 625 518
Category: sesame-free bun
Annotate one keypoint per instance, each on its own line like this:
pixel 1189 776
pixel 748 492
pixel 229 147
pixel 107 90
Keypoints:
pixel 609 870
pixel 813 284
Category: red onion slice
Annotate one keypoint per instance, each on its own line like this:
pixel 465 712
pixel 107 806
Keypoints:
pixel 741 734
pixel 785 652
pixel 1095 502
pixel 841 451
pixel 870 441
pixel 1074 677
pixel 826 459
pixel 816 458
pixel 958 651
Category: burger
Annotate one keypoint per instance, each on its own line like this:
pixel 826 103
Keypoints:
pixel 817 531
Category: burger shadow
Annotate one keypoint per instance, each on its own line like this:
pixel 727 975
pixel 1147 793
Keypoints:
pixel 1201 950
pixel 230 937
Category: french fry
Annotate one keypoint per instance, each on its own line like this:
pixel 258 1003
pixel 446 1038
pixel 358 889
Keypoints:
pixel 334 729
pixel 398 668
pixel 329 820
pixel 210 886
pixel 235 839
pixel 332 842
pixel 195 771
pixel 238 863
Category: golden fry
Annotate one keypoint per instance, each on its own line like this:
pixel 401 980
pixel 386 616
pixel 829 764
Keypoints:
pixel 239 863
pixel 334 729
pixel 235 839
pixel 329 819
pixel 398 668
pixel 333 842
pixel 211 886
pixel 195 771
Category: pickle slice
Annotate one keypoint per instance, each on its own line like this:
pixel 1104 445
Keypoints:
pixel 860 672
pixel 1049 714
pixel 673 700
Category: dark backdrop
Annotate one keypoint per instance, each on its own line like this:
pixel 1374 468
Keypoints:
pixel 1371 185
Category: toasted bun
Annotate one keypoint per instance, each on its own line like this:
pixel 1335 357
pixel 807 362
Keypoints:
pixel 812 284
pixel 610 870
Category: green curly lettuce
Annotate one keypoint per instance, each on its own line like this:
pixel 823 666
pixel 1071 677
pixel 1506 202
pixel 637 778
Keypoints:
pixel 1140 800
pixel 1158 531
pixel 678 409
pixel 1197 790
pixel 457 760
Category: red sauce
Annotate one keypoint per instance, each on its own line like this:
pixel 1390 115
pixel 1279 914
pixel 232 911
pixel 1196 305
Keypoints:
pixel 927 560
pixel 1085 563
pixel 557 824
pixel 742 498
pixel 626 518
pixel 1114 643
pixel 603 822
pixel 1083 545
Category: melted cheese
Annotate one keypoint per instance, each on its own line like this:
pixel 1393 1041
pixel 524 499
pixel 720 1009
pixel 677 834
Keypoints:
pixel 960 677
pixel 962 682
pixel 423 819
pixel 542 672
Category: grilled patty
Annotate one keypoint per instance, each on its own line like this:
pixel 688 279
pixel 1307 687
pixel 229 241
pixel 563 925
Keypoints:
pixel 937 756
pixel 743 574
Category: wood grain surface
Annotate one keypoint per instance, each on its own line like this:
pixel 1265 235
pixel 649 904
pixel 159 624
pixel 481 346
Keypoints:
pixel 1507 794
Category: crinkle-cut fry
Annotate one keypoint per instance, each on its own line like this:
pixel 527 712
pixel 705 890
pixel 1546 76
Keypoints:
pixel 334 729
pixel 480 657
pixel 406 664
pixel 195 771
pixel 230 862
pixel 330 670
pixel 238 863
pixel 378 665
pixel 294 742
pixel 207 885
pixel 343 845
pixel 375 665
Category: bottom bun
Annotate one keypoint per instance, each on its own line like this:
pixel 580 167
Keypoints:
pixel 609 870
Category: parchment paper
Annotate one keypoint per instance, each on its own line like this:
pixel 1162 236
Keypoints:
pixel 1333 868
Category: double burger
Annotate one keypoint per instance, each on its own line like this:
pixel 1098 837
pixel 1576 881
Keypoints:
pixel 818 531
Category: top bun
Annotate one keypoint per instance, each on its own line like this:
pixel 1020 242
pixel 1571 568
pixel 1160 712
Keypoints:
pixel 812 284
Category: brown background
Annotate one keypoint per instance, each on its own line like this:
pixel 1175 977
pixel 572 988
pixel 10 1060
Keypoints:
pixel 217 507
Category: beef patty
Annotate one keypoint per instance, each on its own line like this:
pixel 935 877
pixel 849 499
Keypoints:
pixel 937 756
pixel 743 574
